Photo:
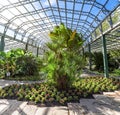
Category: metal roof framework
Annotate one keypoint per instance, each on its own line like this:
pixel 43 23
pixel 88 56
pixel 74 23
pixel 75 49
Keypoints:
pixel 28 22
pixel 112 42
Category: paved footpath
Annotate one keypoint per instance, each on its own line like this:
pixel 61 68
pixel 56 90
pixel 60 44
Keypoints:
pixel 14 107
pixel 106 104
pixel 4 83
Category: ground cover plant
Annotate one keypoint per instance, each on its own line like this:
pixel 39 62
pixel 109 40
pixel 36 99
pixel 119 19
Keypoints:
pixel 48 95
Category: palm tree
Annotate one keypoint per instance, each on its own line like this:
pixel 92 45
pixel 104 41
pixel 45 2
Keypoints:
pixel 63 59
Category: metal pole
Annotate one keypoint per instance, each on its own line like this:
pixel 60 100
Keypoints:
pixel 89 49
pixel 37 52
pixel 2 43
pixel 83 52
pixel 105 60
pixel 26 47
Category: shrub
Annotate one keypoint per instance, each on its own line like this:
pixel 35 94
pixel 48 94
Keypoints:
pixel 117 72
pixel 70 98
pixel 19 62
pixel 113 61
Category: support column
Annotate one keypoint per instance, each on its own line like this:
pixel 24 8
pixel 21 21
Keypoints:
pixel 105 60
pixel 26 47
pixel 37 52
pixel 83 52
pixel 90 63
pixel 2 43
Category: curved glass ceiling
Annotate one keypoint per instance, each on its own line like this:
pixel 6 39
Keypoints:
pixel 30 21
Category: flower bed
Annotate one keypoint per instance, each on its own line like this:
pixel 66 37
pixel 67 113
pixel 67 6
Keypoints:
pixel 43 93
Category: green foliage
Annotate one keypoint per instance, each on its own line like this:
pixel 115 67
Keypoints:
pixel 18 62
pixel 98 60
pixel 115 54
pixel 27 65
pixel 63 60
pixel 42 93
pixel 97 84
pixel 116 72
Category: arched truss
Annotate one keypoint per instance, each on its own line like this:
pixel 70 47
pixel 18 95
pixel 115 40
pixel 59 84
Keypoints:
pixel 30 21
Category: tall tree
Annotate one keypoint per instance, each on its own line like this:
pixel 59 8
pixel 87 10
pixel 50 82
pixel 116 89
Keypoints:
pixel 63 59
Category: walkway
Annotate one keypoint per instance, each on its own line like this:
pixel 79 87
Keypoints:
pixel 14 107
pixel 4 83
pixel 87 73
pixel 106 104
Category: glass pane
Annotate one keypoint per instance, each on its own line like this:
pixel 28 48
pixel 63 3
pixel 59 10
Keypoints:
pixel 105 25
pixel 18 22
pixel 14 11
pixel 25 27
pixel 25 39
pixel 87 7
pixel 13 26
pixel 70 5
pixel 4 2
pixel 22 9
pixel 7 14
pixel 10 33
pixel 3 21
pixel 14 1
pixel 36 5
pixel 2 28
pixel 98 32
pixel 116 16
pixel 29 7
pixel 18 37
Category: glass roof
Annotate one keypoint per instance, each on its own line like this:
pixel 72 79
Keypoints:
pixel 30 21
pixel 112 42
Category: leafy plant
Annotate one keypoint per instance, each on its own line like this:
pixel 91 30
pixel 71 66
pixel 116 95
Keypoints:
pixel 63 60
pixel 117 72
pixel 115 54
pixel 19 62
pixel 98 61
